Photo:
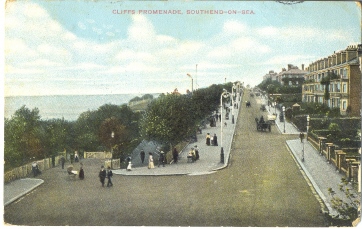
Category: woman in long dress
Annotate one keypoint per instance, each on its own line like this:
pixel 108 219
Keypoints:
pixel 81 171
pixel 150 161
pixel 208 139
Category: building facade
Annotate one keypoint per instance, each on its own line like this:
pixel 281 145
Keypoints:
pixel 339 72
pixel 271 75
pixel 293 76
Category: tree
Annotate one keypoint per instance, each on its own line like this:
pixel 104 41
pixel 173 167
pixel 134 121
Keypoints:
pixel 22 136
pixel 168 120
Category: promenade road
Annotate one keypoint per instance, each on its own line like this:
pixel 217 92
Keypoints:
pixel 261 186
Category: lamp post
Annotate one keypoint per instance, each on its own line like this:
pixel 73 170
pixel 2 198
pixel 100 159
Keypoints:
pixel 225 94
pixel 232 104
pixel 192 83
pixel 275 107
pixel 308 119
pixel 112 136
pixel 284 117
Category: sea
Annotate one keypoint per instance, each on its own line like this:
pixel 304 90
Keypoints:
pixel 68 107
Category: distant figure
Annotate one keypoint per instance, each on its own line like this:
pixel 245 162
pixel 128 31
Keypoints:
pixel 161 159
pixel 208 139
pixel 150 161
pixel 197 156
pixel 76 157
pixel 102 175
pixel 62 161
pixel 175 155
pixel 35 168
pixel 220 117
pixel 81 171
pixel 142 154
pixel 191 155
pixel 109 176
pixel 215 140
pixel 128 159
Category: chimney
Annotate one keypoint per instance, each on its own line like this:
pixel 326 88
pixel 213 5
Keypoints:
pixel 343 57
pixel 283 69
pixel 351 54
pixel 303 67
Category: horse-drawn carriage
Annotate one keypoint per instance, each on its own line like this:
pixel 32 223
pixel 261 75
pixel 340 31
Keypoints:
pixel 261 125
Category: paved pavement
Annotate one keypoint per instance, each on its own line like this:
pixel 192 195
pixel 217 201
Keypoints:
pixel 18 188
pixel 319 173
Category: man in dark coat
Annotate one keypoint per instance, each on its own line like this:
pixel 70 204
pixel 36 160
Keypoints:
pixel 175 155
pixel 161 159
pixel 142 156
pixel 102 175
pixel 62 161
pixel 215 140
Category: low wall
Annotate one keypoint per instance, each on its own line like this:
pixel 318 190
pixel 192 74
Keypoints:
pixel 98 155
pixel 114 164
pixel 25 170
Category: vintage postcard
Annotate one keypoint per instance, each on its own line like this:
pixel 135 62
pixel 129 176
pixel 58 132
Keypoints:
pixel 182 113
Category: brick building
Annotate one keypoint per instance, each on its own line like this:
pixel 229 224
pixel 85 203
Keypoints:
pixel 343 81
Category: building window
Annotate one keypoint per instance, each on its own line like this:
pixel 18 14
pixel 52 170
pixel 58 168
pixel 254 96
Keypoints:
pixel 345 73
pixel 344 105
pixel 344 90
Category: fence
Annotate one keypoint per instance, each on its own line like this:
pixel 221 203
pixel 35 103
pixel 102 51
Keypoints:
pixel 26 170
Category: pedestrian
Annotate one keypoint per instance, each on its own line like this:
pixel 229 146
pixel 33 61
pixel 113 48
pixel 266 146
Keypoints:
pixel 34 168
pixel 102 175
pixel 76 157
pixel 208 139
pixel 192 155
pixel 175 155
pixel 212 140
pixel 142 156
pixel 109 176
pixel 128 159
pixel 81 171
pixel 215 140
pixel 161 159
pixel 220 117
pixel 197 156
pixel 62 161
pixel 71 158
pixel 150 161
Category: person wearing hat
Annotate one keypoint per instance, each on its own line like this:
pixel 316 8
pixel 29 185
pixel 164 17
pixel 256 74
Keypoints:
pixel 102 175
pixel 161 159
pixel 208 139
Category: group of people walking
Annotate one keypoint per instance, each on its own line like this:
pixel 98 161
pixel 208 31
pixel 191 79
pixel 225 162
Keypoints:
pixel 211 140
pixel 103 174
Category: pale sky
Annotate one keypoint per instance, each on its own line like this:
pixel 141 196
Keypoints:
pixel 84 47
